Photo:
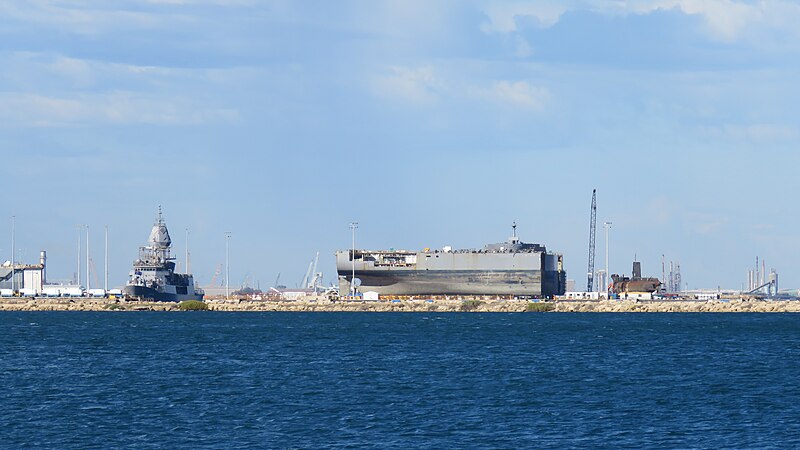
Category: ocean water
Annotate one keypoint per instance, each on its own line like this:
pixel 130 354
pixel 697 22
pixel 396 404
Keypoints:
pixel 380 380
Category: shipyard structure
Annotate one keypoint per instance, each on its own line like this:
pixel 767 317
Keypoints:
pixel 511 268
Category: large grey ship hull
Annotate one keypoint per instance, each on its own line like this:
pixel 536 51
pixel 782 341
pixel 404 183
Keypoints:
pixel 512 268
pixel 456 282
pixel 146 293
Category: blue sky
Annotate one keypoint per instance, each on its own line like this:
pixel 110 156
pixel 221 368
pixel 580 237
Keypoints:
pixel 429 123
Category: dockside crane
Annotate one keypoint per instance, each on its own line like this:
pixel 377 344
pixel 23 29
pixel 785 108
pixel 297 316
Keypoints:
pixel 592 230
pixel 216 275
pixel 310 280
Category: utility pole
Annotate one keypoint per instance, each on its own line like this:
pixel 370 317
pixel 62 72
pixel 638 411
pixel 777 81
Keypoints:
pixel 353 226
pixel 78 256
pixel 187 251
pixel 608 276
pixel 13 250
pixel 227 266
pixel 105 264
pixel 88 280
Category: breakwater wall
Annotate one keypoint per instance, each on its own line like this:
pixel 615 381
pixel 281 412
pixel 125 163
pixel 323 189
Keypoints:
pixel 45 304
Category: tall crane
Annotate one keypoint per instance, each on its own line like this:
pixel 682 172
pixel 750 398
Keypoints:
pixel 312 283
pixel 592 230
pixel 216 275
pixel 310 280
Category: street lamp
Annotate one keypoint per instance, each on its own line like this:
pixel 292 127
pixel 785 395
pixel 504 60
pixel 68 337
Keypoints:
pixel 607 226
pixel 187 251
pixel 88 283
pixel 353 226
pixel 78 278
pixel 227 269
pixel 13 249
pixel 105 261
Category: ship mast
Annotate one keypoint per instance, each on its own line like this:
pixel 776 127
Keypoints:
pixel 514 239
pixel 158 244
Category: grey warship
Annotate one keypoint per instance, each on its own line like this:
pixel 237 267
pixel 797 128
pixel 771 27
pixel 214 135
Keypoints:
pixel 511 268
pixel 153 275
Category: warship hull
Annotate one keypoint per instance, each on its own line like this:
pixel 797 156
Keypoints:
pixel 153 275
pixel 146 293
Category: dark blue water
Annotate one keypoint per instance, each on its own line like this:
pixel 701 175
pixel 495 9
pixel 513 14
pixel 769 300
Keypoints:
pixel 311 380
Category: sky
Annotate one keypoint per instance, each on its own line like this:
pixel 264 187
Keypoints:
pixel 430 123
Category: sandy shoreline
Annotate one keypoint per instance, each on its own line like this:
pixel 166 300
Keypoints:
pixel 409 306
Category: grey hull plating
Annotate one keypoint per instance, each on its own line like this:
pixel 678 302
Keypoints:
pixel 146 293
pixel 153 275
pixel 509 268
pixel 456 282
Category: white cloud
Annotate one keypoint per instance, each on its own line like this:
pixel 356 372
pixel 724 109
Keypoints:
pixel 38 89
pixel 421 20
pixel 522 48
pixel 704 222
pixel 83 18
pixel 726 19
pixel 114 108
pixel 416 86
pixel 757 132
pixel 78 71
pixel 504 16
pixel 424 86
pixel 201 2
pixel 517 93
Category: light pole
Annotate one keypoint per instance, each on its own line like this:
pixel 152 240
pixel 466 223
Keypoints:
pixel 78 259
pixel 88 283
pixel 353 226
pixel 608 276
pixel 13 245
pixel 105 263
pixel 187 251
pixel 227 269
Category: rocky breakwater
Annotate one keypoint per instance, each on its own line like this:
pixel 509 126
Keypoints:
pixel 712 306
pixel 372 306
pixel 448 305
pixel 87 304
pixel 82 304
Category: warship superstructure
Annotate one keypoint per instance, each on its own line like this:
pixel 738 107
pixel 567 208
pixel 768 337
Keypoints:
pixel 511 268
pixel 153 275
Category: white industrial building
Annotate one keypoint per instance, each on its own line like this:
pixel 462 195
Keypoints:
pixel 30 280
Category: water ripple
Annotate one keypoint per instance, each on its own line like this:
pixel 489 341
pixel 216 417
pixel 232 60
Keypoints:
pixel 327 380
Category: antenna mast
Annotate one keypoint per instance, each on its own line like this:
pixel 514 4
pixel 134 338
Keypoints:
pixel 592 231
